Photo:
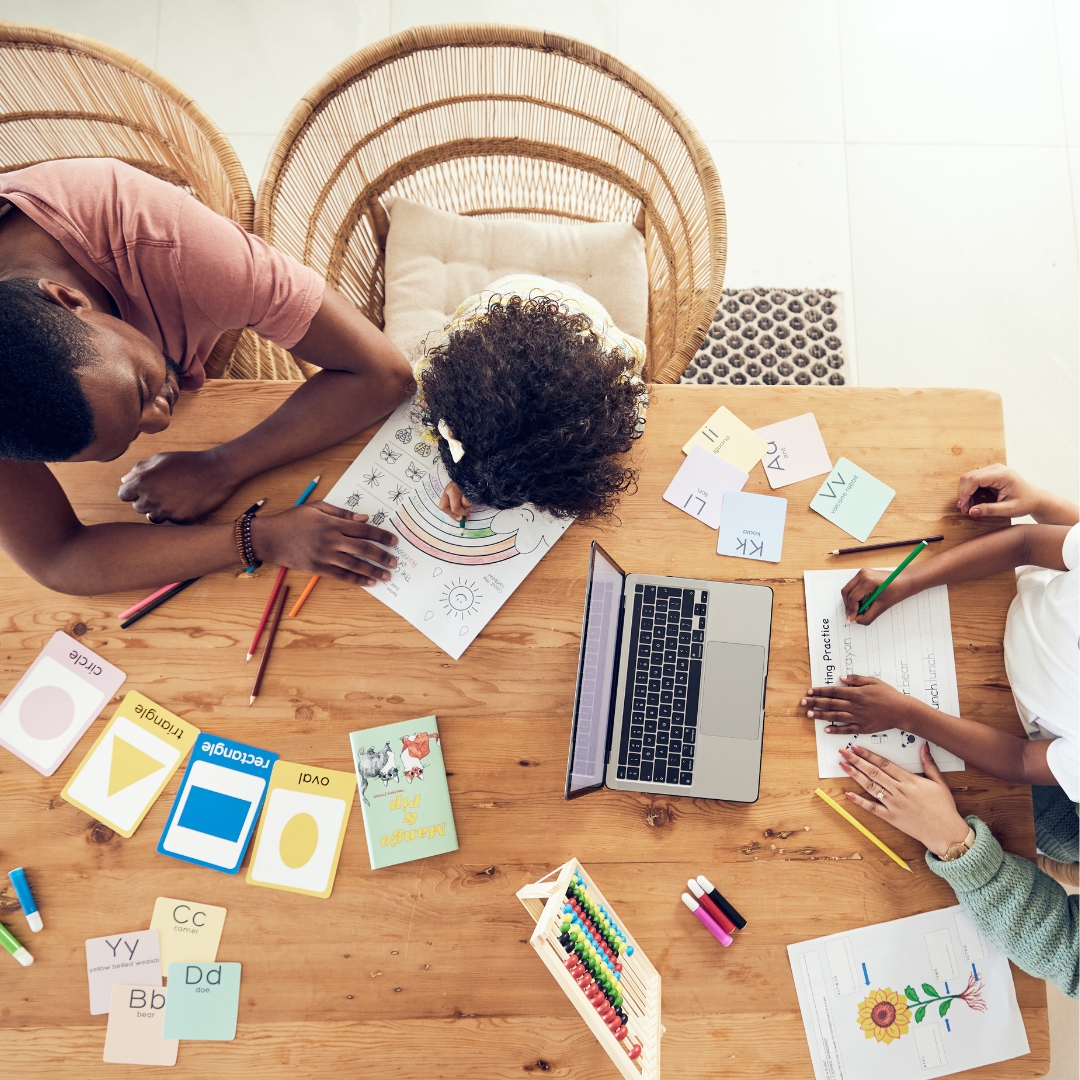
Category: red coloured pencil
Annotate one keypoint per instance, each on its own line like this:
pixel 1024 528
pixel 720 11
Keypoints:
pixel 269 644
pixel 266 612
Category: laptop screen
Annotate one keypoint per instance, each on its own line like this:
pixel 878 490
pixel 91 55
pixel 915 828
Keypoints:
pixel 596 670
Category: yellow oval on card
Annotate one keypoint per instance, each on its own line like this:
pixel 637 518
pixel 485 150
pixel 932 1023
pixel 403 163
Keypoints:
pixel 298 842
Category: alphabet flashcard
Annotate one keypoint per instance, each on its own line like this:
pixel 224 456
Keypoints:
pixel 218 803
pixel 189 931
pixel 203 1001
pixel 136 1025
pixel 796 451
pixel 852 499
pixel 130 763
pixel 302 829
pixel 133 958
pixel 726 436
pixel 752 526
pixel 699 485
pixel 57 699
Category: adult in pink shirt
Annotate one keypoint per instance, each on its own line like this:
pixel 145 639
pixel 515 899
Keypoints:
pixel 114 288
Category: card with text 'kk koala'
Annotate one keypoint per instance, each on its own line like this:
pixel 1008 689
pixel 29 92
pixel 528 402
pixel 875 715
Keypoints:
pixel 203 1001
pixel 752 526
pixel 136 1022
pixel 133 958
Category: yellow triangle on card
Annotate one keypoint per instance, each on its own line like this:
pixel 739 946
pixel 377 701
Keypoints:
pixel 129 766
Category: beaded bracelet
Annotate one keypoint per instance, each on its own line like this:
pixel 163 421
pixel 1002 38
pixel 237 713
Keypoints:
pixel 242 535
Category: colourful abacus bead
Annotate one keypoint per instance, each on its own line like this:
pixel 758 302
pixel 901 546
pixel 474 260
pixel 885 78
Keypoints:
pixel 621 1033
pixel 571 962
pixel 634 1051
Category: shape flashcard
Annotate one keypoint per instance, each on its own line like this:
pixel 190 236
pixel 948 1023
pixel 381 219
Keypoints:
pixel 136 1023
pixel 218 803
pixel 55 701
pixel 796 451
pixel 699 485
pixel 189 931
pixel 752 526
pixel 129 765
pixel 726 436
pixel 203 1001
pixel 852 499
pixel 302 829
pixel 133 958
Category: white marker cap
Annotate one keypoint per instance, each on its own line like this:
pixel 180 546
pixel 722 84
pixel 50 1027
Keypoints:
pixel 688 900
pixel 34 919
pixel 23 957
pixel 695 888
pixel 705 883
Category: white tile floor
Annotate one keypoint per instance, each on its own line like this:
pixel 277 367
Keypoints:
pixel 921 155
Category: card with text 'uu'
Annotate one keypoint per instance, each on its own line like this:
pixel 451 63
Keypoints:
pixel 699 485
pixel 726 436
pixel 218 803
pixel 56 700
pixel 121 958
pixel 203 1001
pixel 130 763
pixel 136 1024
pixel 189 931
pixel 752 526
pixel 852 499
pixel 796 451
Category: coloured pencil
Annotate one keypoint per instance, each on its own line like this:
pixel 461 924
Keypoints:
pixel 146 600
pixel 269 645
pixel 864 830
pixel 865 605
pixel 889 544
pixel 304 595
pixel 146 609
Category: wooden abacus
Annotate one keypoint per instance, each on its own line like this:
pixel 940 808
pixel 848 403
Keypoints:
pixel 637 981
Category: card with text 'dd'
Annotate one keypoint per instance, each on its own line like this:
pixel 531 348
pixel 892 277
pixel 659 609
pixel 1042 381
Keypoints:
pixel 726 436
pixel 133 958
pixel 203 1001
pixel 189 931
pixel 130 763
pixel 57 699
pixel 796 451
pixel 852 499
pixel 699 485
pixel 136 1025
pixel 302 829
pixel 218 803
pixel 752 526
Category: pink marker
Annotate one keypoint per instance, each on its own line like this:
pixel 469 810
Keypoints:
pixel 706 920
pixel 146 600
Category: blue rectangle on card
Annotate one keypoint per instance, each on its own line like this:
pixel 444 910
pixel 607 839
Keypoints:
pixel 214 813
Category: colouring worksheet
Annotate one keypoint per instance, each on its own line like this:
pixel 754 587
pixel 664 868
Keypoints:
pixel 449 581
pixel 925 996
pixel 909 647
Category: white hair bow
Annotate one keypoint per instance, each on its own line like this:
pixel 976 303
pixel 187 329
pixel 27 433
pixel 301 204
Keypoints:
pixel 457 451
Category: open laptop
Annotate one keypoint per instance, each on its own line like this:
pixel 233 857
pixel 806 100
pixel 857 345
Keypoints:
pixel 670 692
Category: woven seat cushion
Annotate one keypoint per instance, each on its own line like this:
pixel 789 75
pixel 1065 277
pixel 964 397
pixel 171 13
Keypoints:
pixel 435 260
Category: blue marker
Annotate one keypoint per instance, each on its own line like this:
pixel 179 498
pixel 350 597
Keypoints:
pixel 17 878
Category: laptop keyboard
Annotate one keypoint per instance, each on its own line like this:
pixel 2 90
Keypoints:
pixel 667 643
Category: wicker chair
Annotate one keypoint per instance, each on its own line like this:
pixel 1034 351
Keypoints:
pixel 497 121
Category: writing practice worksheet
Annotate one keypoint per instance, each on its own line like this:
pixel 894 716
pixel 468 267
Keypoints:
pixel 909 647
pixel 449 581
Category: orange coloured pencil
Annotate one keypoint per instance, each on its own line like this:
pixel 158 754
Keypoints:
pixel 303 596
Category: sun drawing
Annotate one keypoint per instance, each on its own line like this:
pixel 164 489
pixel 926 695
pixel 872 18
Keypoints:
pixel 884 1016
pixel 460 598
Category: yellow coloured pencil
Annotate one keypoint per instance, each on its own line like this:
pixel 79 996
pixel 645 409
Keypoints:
pixel 864 830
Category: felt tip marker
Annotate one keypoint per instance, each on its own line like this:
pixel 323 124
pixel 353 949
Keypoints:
pixel 720 902
pixel 706 920
pixel 698 893
pixel 11 943
pixel 17 877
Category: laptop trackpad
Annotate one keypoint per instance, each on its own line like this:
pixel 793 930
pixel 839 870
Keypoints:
pixel 731 695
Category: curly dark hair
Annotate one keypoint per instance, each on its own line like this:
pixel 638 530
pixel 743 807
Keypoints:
pixel 540 407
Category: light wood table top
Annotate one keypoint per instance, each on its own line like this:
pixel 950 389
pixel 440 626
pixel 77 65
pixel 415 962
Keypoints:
pixel 423 970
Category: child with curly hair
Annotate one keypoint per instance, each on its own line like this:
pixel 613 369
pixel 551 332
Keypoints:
pixel 532 396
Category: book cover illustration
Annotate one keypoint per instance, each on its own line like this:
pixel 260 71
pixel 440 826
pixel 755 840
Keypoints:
pixel 403 792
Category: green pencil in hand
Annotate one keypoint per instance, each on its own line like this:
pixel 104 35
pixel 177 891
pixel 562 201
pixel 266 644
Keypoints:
pixel 864 606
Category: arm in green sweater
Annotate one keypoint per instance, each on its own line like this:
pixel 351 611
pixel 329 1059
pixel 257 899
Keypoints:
pixel 1024 912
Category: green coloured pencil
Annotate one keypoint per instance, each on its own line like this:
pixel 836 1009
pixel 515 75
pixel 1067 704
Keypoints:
pixel 884 585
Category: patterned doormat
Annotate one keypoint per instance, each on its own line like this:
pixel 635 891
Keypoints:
pixel 774 337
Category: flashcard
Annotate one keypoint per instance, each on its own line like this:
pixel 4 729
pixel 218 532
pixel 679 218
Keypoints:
pixel 752 526
pixel 189 931
pixel 218 803
pixel 699 485
pixel 726 436
pixel 56 700
pixel 302 829
pixel 852 499
pixel 130 763
pixel 796 451
pixel 136 1024
pixel 203 1001
pixel 133 958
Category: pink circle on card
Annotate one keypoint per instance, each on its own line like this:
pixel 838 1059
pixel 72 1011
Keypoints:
pixel 46 712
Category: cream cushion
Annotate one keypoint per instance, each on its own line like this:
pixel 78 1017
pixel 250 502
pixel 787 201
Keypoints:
pixel 435 260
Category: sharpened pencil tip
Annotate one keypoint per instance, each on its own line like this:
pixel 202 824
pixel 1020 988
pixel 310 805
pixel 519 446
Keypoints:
pixel 247 659
pixel 318 478
pixel 251 701
pixel 261 502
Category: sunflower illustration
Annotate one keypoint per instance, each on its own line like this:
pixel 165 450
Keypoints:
pixel 884 1015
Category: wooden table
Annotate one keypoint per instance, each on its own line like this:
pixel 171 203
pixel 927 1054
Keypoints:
pixel 424 970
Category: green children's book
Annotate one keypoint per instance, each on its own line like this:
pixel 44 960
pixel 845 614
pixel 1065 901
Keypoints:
pixel 403 792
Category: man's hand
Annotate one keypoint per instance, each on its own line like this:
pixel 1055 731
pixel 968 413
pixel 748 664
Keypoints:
pixel 921 806
pixel 862 585
pixel 453 502
pixel 182 487
pixel 859 706
pixel 323 539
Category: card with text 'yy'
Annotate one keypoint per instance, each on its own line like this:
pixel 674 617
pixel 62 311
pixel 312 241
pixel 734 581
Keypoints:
pixel 796 451
pixel 726 436
pixel 203 1001
pixel 852 499
pixel 56 700
pixel 302 829
pixel 218 803
pixel 130 763
pixel 189 931
pixel 752 526
pixel 136 1022
pixel 133 958
pixel 699 485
